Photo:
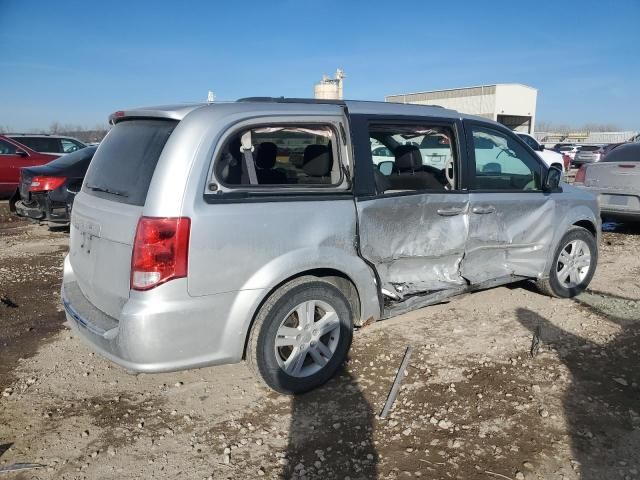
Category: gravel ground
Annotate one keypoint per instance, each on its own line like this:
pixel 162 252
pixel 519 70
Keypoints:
pixel 473 403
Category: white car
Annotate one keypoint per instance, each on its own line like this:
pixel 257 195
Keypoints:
pixel 381 153
pixel 548 156
pixel 434 147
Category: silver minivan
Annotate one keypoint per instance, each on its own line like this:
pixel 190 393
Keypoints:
pixel 263 230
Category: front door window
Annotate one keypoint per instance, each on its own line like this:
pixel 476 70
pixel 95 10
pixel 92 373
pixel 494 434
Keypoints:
pixel 502 163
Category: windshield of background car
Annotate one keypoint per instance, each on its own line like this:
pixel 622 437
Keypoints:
pixel 589 148
pixel 122 168
pixel 529 141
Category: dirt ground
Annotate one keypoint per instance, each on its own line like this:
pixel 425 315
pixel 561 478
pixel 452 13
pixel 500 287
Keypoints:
pixel 473 405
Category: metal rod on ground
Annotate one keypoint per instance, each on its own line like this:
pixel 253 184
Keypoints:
pixel 535 341
pixel 396 383
pixel 16 467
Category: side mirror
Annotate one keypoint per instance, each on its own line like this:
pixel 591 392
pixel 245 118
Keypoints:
pixel 385 168
pixel 21 153
pixel 552 182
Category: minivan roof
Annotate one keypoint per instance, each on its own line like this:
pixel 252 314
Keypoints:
pixel 293 105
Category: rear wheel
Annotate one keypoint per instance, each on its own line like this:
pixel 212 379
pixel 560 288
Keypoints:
pixel 301 335
pixel 573 266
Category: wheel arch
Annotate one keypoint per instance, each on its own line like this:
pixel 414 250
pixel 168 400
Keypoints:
pixel 578 216
pixel 587 225
pixel 339 279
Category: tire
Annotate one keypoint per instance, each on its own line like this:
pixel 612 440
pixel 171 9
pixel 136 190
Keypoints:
pixel 276 321
pixel 557 283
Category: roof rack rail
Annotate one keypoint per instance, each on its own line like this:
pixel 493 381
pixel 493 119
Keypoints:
pixel 318 101
pixel 290 100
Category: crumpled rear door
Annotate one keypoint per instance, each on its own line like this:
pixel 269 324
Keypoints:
pixel 416 242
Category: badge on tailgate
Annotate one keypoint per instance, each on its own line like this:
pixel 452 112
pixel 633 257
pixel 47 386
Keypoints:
pixel 88 230
pixel 85 225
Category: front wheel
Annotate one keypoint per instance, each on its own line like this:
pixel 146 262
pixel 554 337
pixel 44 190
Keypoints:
pixel 574 264
pixel 301 335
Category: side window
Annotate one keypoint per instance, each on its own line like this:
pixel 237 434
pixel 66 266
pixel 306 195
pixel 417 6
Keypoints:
pixel 7 148
pixel 41 144
pixel 281 155
pixel 68 146
pixel 501 163
pixel 413 157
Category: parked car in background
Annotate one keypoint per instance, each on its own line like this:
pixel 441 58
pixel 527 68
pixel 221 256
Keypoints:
pixel 47 192
pixel 587 154
pixel 433 145
pixel 196 240
pixel 14 156
pixel 569 149
pixel 44 143
pixel 380 153
pixel 549 157
pixel 605 149
pixel 616 180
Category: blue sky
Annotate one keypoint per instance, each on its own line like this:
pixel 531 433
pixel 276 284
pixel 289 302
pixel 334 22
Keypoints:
pixel 75 62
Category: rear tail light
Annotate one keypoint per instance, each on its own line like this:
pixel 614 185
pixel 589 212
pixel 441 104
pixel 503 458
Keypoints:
pixel 567 161
pixel 45 184
pixel 581 175
pixel 160 251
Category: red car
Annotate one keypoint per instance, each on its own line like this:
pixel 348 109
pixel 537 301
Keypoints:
pixel 14 156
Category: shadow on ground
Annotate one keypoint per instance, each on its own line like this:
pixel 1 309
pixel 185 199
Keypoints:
pixel 602 405
pixel 327 440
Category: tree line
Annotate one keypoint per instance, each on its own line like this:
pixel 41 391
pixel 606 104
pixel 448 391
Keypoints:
pixel 546 126
pixel 83 133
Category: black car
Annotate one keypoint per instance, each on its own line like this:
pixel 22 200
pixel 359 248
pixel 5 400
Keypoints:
pixel 47 191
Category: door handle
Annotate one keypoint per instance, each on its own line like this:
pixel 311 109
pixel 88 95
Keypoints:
pixel 484 210
pixel 450 212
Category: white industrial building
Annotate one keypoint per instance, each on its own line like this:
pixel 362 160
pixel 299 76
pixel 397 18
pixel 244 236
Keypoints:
pixel 512 104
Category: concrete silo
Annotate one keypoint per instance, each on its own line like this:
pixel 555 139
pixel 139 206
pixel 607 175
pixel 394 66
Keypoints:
pixel 329 88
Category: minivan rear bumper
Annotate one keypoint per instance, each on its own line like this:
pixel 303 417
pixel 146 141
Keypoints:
pixel 167 332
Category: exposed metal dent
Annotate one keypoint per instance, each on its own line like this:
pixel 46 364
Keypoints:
pixel 432 298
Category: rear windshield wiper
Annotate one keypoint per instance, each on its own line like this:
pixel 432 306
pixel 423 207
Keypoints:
pixel 97 188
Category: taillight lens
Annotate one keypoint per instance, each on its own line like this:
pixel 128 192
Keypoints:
pixel 45 184
pixel 160 251
pixel 582 173
pixel 567 161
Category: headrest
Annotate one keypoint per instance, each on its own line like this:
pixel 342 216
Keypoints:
pixel 317 161
pixel 492 167
pixel 408 157
pixel 266 153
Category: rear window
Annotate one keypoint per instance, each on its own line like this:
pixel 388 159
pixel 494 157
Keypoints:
pixel 565 148
pixel 73 158
pixel 624 153
pixel 589 148
pixel 41 144
pixel 123 165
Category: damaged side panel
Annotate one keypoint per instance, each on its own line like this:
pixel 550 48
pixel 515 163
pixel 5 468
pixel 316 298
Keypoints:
pixel 514 239
pixel 416 241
